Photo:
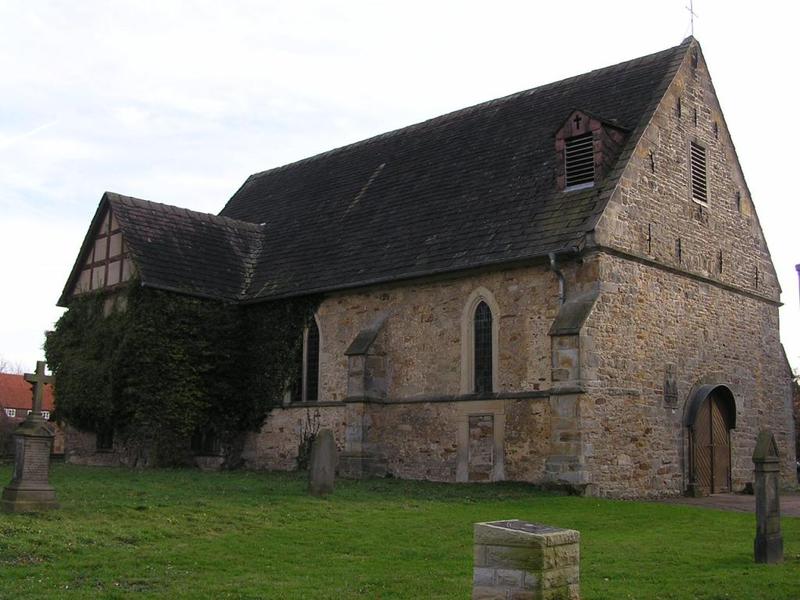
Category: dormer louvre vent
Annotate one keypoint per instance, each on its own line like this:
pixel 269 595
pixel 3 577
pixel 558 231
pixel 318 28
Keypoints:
pixel 698 170
pixel 579 160
pixel 587 147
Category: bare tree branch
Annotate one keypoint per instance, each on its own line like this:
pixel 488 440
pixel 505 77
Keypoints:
pixel 7 366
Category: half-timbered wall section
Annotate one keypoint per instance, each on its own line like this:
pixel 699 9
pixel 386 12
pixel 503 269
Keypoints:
pixel 107 262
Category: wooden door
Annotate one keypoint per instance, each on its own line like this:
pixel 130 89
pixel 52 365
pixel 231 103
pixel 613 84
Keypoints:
pixel 721 447
pixel 712 447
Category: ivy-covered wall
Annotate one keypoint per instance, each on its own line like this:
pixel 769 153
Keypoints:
pixel 158 367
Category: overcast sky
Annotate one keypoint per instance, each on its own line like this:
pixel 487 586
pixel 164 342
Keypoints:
pixel 178 102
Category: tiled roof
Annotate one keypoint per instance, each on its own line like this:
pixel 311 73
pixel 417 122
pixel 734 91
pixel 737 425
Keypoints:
pixel 178 249
pixel 17 393
pixel 187 251
pixel 469 189
pixel 472 188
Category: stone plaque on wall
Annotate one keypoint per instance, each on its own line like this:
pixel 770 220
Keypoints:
pixel 481 447
pixel 671 385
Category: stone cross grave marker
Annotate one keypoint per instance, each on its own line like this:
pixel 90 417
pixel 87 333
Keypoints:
pixel 322 470
pixel 768 545
pixel 30 489
pixel 38 380
pixel 517 559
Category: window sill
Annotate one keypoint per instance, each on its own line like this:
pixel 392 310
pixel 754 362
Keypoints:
pixel 580 186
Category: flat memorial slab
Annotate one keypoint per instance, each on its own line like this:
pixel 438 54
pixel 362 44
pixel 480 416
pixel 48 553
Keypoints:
pixel 522 533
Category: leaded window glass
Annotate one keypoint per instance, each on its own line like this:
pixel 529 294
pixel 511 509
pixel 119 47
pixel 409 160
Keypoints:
pixel 483 348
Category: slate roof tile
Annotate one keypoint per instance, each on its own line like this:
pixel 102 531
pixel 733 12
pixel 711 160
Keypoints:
pixel 468 189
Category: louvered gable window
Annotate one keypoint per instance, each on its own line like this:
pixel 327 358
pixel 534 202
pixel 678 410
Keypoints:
pixel 579 160
pixel 698 172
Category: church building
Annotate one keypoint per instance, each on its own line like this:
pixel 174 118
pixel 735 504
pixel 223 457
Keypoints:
pixel 567 286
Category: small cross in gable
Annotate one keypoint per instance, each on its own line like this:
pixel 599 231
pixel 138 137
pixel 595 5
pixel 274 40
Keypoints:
pixel 577 120
pixel 38 380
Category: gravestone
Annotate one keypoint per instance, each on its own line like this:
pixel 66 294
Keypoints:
pixel 768 545
pixel 520 560
pixel 322 470
pixel 30 489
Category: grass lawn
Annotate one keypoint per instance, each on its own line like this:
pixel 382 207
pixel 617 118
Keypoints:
pixel 186 534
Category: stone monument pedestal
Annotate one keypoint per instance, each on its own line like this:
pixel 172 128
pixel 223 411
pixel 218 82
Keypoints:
pixel 515 559
pixel 30 489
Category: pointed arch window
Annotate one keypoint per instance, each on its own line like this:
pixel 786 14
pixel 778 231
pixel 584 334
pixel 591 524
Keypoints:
pixel 482 322
pixel 479 343
pixel 305 383
pixel 311 386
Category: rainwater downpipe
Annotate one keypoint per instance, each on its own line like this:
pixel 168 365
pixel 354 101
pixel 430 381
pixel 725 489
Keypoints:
pixel 554 268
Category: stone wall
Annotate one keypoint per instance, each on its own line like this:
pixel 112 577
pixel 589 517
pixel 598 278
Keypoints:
pixel 422 333
pixel 276 446
pixel 440 441
pixel 652 213
pixel 80 449
pixel 417 440
pixel 698 301
pixel 421 431
pixel 647 319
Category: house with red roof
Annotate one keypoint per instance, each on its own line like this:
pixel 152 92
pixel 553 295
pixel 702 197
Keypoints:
pixel 16 401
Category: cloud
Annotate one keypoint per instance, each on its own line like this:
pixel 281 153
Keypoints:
pixel 7 142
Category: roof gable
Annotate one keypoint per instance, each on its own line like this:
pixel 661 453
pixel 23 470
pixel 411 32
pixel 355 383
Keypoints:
pixel 177 249
pixel 720 238
pixel 104 261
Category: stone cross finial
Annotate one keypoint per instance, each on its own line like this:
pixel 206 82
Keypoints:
pixel 38 379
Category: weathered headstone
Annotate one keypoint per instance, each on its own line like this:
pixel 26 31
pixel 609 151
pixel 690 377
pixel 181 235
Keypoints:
pixel 768 545
pixel 30 489
pixel 322 470
pixel 516 559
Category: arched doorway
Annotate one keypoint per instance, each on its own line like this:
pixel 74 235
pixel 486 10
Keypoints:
pixel 710 417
